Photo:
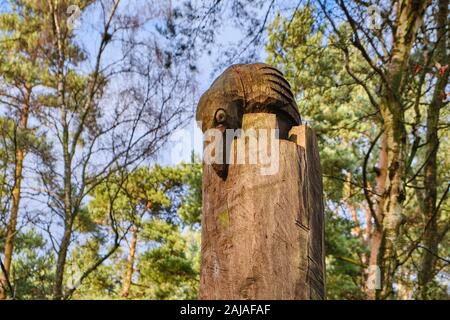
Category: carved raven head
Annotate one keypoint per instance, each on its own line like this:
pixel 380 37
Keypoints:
pixel 246 88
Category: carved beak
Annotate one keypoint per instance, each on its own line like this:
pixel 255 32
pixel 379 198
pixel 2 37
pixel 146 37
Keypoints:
pixel 222 168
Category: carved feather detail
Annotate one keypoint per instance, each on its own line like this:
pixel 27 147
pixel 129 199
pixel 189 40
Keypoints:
pixel 248 88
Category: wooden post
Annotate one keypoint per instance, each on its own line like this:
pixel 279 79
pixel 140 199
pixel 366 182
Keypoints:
pixel 263 235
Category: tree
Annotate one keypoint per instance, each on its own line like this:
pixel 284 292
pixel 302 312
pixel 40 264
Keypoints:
pixel 433 235
pixel 144 193
pixel 75 86
pixel 162 243
pixel 22 70
pixel 85 107
pixel 337 62
pixel 32 267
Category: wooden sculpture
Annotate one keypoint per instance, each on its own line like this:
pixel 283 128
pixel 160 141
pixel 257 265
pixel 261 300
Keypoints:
pixel 242 89
pixel 262 234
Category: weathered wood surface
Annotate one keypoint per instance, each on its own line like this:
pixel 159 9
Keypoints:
pixel 262 235
pixel 248 88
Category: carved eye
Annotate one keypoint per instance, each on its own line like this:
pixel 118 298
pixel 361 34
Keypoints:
pixel 220 116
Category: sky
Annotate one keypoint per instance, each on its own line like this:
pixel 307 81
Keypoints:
pixel 184 140
pixel 189 138
pixel 180 145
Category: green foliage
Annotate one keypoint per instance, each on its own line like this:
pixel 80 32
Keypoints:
pixel 164 203
pixel 47 74
pixel 191 208
pixel 32 274
pixel 104 283
pixel 171 267
pixel 339 95
pixel 333 104
pixel 328 98
pixel 343 266
pixel 148 190
pixel 26 42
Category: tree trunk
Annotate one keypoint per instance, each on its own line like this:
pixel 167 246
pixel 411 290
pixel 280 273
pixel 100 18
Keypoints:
pixel 409 19
pixel 16 195
pixel 130 267
pixel 348 193
pixel 431 237
pixel 377 234
pixel 58 293
pixel 393 196
pixel 69 213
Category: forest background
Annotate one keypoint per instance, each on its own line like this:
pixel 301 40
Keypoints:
pixel 100 173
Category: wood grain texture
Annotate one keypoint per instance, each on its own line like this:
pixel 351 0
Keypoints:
pixel 262 235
